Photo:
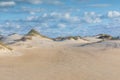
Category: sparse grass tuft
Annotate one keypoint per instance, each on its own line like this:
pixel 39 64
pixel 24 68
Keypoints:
pixel 5 46
pixel 67 38
pixel 116 38
pixel 105 36
pixel 33 32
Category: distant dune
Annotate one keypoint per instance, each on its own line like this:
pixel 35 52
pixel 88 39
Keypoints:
pixel 11 38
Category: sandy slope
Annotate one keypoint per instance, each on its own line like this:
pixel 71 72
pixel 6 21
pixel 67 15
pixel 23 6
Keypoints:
pixel 67 60
pixel 7 51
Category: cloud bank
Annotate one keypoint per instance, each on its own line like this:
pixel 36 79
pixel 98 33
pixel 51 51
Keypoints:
pixel 58 17
pixel 7 3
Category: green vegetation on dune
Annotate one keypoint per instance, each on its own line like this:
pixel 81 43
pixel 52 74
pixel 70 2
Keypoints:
pixel 105 36
pixel 116 38
pixel 73 37
pixel 33 32
pixel 108 37
pixel 67 38
pixel 5 46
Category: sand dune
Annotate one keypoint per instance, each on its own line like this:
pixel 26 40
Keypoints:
pixel 11 38
pixel 92 39
pixel 104 44
pixel 7 51
pixel 62 63
pixel 45 59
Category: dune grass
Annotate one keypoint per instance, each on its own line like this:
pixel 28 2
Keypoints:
pixel 33 32
pixel 2 44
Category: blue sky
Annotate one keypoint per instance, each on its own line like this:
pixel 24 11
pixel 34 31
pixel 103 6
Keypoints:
pixel 55 18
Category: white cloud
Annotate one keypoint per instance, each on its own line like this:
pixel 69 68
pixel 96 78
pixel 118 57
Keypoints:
pixel 45 15
pixel 56 14
pixel 99 5
pixel 54 18
pixel 67 15
pixel 26 9
pixel 61 25
pixel 35 1
pixel 113 14
pixel 30 18
pixel 92 17
pixel 32 13
pixel 45 25
pixel 7 3
pixel 56 2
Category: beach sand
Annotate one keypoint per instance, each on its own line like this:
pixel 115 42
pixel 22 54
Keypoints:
pixel 65 60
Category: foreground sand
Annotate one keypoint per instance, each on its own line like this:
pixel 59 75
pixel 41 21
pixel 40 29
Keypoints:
pixel 61 61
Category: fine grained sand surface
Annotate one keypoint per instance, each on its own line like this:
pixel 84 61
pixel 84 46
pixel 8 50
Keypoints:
pixel 61 61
